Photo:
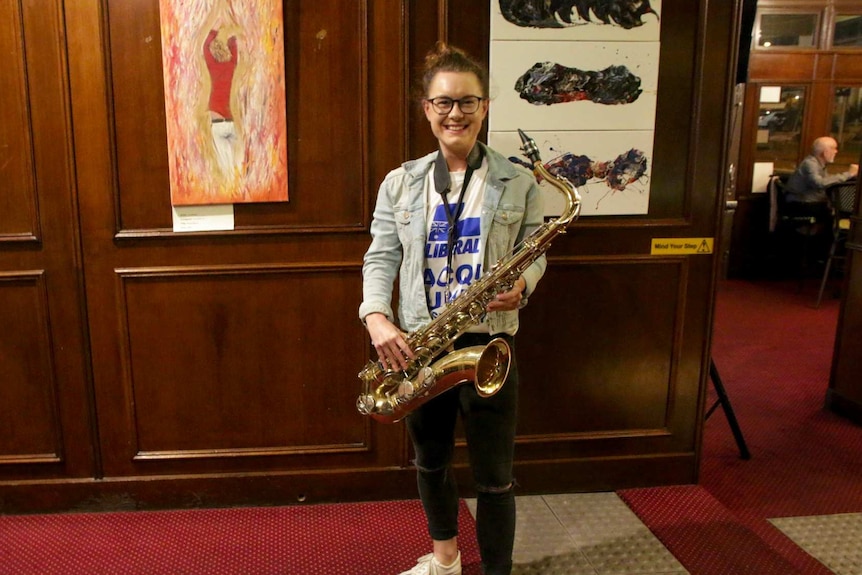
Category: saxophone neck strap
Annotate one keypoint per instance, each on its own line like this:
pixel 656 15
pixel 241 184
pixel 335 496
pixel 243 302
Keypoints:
pixel 441 168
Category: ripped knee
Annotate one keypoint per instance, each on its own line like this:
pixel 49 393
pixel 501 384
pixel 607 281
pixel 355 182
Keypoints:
pixel 495 489
pixel 430 470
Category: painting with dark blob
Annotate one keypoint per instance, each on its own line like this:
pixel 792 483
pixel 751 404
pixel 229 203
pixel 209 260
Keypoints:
pixel 627 14
pixel 611 169
pixel 554 86
pixel 625 169
pixel 551 83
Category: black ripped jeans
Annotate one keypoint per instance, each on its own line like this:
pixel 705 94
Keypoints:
pixel 489 425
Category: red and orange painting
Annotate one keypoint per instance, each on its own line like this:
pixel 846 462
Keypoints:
pixel 225 102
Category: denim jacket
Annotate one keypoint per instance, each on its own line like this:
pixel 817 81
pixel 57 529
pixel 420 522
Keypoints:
pixel 512 209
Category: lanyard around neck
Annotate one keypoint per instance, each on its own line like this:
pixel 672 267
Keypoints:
pixel 452 214
pixel 442 183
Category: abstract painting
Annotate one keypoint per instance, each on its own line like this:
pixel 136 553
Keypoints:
pixel 225 103
pixel 580 77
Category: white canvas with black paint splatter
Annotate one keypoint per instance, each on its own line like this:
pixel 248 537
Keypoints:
pixel 611 169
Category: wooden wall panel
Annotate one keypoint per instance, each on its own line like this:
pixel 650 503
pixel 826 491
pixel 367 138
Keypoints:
pixel 787 67
pixel 29 425
pixel 17 206
pixel 575 379
pixel 848 67
pixel 781 67
pixel 235 355
pixel 45 398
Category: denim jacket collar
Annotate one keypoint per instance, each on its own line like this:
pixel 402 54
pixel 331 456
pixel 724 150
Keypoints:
pixel 500 170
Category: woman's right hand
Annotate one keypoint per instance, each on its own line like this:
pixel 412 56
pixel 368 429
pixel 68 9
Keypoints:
pixel 389 341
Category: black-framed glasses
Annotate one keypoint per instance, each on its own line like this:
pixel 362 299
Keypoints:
pixel 443 104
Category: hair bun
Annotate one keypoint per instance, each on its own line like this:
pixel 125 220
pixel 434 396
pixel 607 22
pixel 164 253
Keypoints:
pixel 447 58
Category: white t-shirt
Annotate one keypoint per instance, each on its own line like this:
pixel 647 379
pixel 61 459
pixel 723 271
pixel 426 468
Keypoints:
pixel 442 283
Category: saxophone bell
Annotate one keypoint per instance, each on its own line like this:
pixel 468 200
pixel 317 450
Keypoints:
pixel 395 394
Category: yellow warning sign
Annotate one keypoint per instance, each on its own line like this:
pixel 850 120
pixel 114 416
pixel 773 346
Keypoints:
pixel 681 246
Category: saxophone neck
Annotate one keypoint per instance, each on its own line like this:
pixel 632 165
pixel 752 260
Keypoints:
pixel 573 198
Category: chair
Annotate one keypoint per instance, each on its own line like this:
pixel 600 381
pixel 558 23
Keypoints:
pixel 843 199
pixel 781 221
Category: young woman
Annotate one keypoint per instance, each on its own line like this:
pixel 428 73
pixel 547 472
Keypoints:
pixel 440 221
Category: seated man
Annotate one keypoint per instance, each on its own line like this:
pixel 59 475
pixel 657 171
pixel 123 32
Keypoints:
pixel 806 188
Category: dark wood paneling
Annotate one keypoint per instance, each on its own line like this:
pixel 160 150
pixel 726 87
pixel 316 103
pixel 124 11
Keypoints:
pixel 235 354
pixel 671 169
pixel 575 379
pixel 844 395
pixel 46 421
pixel 224 364
pixel 427 21
pixel 781 67
pixel 824 65
pixel 29 426
pixel 17 206
pixel 848 67
pixel 788 67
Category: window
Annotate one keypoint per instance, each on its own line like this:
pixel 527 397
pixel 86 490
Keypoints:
pixel 848 31
pixel 779 126
pixel 783 29
pixel 847 124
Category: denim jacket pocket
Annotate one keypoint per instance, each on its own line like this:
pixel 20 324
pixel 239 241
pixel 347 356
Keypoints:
pixel 406 222
pixel 504 228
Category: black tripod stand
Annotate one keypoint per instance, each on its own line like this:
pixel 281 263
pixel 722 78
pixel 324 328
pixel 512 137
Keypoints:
pixel 724 401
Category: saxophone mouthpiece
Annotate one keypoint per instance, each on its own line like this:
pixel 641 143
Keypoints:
pixel 530 149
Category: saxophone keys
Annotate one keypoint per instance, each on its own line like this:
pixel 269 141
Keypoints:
pixel 405 389
pixel 425 378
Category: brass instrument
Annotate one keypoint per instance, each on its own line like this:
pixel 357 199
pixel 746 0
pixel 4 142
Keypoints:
pixel 389 395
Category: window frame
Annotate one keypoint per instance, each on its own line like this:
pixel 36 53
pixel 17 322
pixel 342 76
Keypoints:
pixel 833 24
pixel 818 27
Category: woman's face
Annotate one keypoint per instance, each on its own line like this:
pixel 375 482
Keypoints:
pixel 455 131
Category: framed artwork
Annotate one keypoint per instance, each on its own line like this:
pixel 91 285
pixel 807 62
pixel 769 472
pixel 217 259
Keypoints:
pixel 225 103
pixel 581 79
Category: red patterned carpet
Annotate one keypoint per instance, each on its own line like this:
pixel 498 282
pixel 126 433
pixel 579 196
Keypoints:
pixel 344 539
pixel 774 353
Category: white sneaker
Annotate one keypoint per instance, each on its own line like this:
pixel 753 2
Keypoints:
pixel 427 565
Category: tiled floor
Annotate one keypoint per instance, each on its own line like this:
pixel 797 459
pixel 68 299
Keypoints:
pixel 597 534
pixel 585 534
pixel 835 540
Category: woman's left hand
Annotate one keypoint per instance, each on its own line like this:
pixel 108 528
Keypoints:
pixel 510 300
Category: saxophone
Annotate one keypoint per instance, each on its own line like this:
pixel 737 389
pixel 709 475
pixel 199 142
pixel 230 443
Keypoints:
pixel 389 395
